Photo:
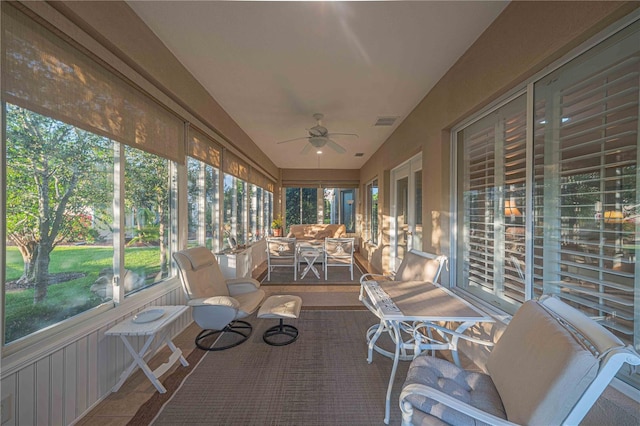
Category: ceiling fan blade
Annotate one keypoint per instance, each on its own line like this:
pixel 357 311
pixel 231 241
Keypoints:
pixel 306 149
pixel 339 149
pixel 342 134
pixel 294 139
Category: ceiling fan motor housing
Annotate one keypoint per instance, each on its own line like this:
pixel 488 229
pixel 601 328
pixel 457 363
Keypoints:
pixel 318 141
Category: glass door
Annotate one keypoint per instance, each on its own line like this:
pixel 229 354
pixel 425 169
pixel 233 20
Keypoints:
pixel 406 209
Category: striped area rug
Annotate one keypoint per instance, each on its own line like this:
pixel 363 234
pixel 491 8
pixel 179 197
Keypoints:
pixel 321 379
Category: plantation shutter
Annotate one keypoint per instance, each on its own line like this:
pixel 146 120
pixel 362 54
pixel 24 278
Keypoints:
pixel 587 124
pixel 479 181
pixel 515 162
pixel 45 74
pixel 493 164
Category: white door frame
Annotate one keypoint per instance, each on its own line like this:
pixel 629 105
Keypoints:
pixel 404 170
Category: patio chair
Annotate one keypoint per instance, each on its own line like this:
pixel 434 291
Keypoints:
pixel 338 252
pixel 282 253
pixel 218 303
pixel 415 266
pixel 548 368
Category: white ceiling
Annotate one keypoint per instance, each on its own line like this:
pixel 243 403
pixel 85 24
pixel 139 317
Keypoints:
pixel 272 65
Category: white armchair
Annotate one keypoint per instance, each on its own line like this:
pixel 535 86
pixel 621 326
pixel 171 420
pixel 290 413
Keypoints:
pixel 548 368
pixel 218 303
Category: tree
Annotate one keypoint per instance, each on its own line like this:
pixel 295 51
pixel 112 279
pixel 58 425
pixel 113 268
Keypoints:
pixel 147 197
pixel 49 190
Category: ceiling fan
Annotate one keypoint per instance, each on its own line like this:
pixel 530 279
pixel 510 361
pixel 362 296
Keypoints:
pixel 319 136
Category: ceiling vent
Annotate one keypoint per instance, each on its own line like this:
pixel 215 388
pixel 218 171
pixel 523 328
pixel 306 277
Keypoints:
pixel 359 154
pixel 385 121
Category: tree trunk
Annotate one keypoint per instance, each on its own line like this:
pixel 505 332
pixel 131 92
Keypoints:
pixel 28 250
pixel 41 273
pixel 163 245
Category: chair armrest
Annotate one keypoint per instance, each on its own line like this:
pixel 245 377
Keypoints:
pixel 443 331
pixel 449 401
pixel 242 285
pixel 214 301
pixel 375 277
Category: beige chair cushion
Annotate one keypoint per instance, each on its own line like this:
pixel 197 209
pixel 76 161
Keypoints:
pixel 417 268
pixel 475 389
pixel 323 234
pixel 201 273
pixel 530 363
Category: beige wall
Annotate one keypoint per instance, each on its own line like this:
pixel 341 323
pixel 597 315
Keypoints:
pixel 524 39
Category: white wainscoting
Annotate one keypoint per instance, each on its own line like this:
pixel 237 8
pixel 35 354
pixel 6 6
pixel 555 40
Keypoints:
pixel 60 386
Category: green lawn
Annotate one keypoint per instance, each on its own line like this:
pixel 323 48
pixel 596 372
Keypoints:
pixel 69 298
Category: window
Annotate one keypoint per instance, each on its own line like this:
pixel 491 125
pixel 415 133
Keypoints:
pixel 328 201
pixel 71 128
pixel 235 210
pixel 302 206
pixel 259 213
pixel 491 162
pixel 77 137
pixel 59 254
pixel 147 219
pixel 576 237
pixel 372 211
pixel 348 216
pixel 324 205
pixel 586 207
pixel 202 204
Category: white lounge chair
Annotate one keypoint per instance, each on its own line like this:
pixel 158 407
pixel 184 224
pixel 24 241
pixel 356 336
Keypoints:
pixel 548 368
pixel 218 303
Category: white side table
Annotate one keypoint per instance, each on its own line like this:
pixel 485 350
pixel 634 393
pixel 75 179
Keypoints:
pixel 150 328
pixel 310 255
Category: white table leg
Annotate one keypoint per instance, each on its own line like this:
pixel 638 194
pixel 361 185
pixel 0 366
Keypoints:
pixel 379 328
pixel 139 361
pixel 395 329
pixel 310 261
pixel 454 341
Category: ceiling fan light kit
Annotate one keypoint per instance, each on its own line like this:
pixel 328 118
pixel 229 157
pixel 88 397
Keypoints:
pixel 319 136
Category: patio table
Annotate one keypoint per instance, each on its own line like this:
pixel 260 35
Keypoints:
pixel 311 255
pixel 398 303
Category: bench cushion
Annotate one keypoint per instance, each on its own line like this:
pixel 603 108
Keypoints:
pixel 473 388
pixel 532 363
pixel 317 231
